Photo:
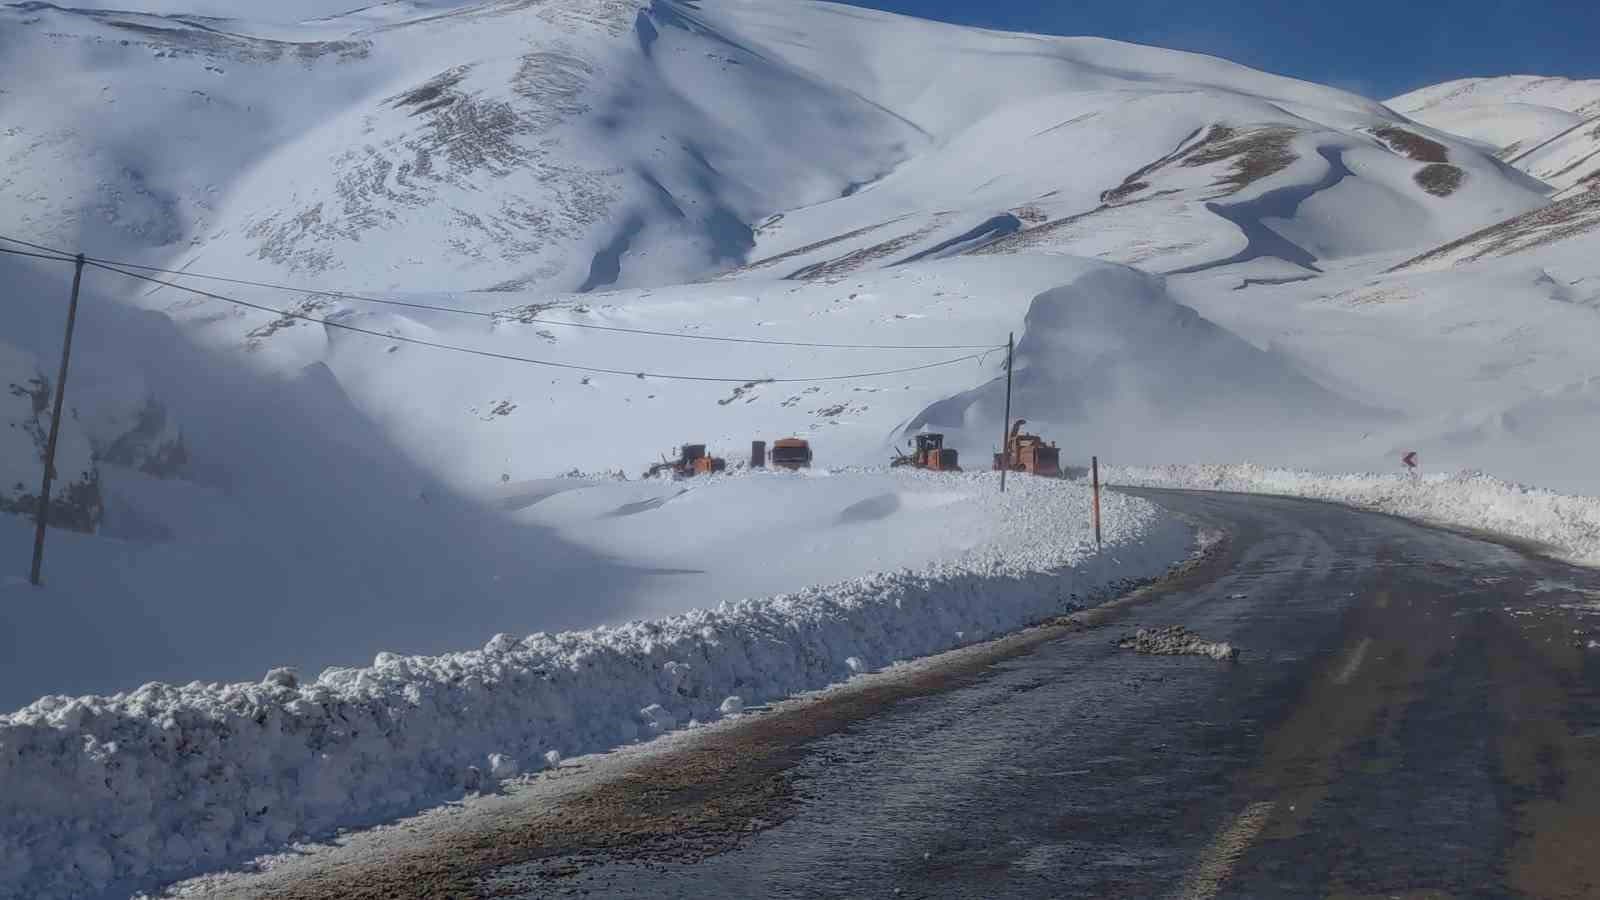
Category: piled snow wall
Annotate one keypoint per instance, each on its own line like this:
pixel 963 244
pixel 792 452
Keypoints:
pixel 1566 524
pixel 103 793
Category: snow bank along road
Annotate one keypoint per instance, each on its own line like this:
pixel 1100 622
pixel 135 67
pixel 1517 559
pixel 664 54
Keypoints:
pixel 1412 710
pixel 102 794
pixel 1562 525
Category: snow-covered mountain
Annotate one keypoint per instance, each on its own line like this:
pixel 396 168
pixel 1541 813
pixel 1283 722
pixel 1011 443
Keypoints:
pixel 490 146
pixel 572 145
pixel 1322 279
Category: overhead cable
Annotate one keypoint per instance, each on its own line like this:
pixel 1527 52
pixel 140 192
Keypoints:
pixel 502 315
pixel 599 370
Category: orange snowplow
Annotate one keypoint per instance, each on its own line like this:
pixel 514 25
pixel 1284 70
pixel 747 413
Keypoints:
pixel 1028 453
pixel 692 460
pixel 930 453
pixel 791 453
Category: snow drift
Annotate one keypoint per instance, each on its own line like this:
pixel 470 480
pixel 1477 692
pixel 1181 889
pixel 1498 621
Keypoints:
pixel 168 780
pixel 1109 363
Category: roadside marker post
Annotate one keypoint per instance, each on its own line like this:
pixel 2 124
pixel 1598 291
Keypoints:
pixel 43 516
pixel 1094 468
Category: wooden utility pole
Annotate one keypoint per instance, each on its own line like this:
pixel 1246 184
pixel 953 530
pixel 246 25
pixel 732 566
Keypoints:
pixel 1094 467
pixel 1005 427
pixel 43 516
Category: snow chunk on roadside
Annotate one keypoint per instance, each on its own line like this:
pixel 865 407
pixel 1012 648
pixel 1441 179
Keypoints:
pixel 1176 640
pixel 284 677
pixel 658 719
pixel 502 767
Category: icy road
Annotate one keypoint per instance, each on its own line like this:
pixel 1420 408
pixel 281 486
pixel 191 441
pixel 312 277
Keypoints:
pixel 1412 712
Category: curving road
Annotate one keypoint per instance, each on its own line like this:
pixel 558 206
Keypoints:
pixel 1415 713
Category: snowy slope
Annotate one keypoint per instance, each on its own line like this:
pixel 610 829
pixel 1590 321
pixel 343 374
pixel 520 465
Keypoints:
pixel 1484 347
pixel 1547 127
pixel 1569 219
pixel 1570 161
pixel 1511 112
pixel 1094 147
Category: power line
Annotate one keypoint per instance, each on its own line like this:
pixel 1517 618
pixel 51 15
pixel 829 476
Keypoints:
pixel 529 360
pixel 37 255
pixel 530 320
pixel 12 240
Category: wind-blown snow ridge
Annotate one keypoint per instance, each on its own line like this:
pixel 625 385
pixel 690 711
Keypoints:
pixel 113 792
pixel 1566 523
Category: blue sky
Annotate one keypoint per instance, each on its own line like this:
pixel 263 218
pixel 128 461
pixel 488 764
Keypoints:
pixel 1375 47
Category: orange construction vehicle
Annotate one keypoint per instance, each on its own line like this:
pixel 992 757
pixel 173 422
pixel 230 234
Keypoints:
pixel 931 454
pixel 1028 453
pixel 692 460
pixel 791 453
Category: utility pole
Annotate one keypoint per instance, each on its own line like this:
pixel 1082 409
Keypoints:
pixel 1094 467
pixel 1005 427
pixel 43 516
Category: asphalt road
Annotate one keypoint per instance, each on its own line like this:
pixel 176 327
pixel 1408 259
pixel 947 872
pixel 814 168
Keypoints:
pixel 1414 713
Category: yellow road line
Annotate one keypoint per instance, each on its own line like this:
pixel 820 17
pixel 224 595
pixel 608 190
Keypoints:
pixel 1216 864
pixel 1354 662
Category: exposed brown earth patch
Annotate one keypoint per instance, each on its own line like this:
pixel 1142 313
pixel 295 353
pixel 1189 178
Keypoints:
pixel 1135 182
pixel 1041 235
pixel 855 259
pixel 1412 146
pixel 810 248
pixel 1033 237
pixel 1439 179
pixel 1256 154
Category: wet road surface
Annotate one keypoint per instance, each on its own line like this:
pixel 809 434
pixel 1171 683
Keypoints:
pixel 1414 713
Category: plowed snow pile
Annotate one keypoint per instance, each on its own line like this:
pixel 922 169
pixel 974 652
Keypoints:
pixel 113 792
